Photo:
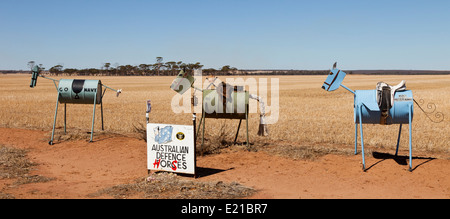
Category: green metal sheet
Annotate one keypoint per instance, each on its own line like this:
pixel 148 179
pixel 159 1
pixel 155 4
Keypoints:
pixel 216 106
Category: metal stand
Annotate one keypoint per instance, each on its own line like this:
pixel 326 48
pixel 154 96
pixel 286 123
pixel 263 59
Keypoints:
pixel 65 114
pixel 356 138
pixel 101 105
pixel 246 126
pixel 65 119
pixel 398 139
pixel 362 139
pixel 93 117
pixel 198 129
pixel 202 123
pixel 54 121
pixel 359 108
pixel 410 138
pixel 237 133
pixel 101 109
pixel 203 132
pixel 194 120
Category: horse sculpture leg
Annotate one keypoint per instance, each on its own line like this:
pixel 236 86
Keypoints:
pixel 398 139
pixel 410 139
pixel 362 137
pixel 54 122
pixel 93 118
pixel 356 138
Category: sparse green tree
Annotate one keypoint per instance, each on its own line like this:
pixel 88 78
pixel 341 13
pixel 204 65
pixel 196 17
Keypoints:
pixel 31 64
pixel 56 70
pixel 159 64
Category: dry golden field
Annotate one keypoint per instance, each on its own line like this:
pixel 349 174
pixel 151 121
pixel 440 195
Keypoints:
pixel 307 113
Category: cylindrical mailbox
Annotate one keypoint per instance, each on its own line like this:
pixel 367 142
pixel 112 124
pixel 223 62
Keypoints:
pixel 233 107
pixel 371 114
pixel 80 91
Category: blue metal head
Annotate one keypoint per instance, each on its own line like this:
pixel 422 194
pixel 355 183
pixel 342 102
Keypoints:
pixel 334 80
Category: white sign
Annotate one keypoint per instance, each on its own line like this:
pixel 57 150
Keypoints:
pixel 403 97
pixel 170 148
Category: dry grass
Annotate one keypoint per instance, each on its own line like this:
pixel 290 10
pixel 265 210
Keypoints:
pixel 307 151
pixel 170 186
pixel 14 164
pixel 308 115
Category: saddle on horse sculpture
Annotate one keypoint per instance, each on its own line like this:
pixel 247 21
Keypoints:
pixel 385 98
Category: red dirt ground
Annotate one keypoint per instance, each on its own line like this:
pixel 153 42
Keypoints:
pixel 80 168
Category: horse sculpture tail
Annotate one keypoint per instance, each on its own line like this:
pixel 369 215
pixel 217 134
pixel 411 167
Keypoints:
pixel 263 130
pixel 437 117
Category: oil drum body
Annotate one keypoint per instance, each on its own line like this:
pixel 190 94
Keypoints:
pixel 371 114
pixel 233 107
pixel 80 91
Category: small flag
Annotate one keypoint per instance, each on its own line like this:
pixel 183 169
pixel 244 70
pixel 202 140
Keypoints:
pixel 149 106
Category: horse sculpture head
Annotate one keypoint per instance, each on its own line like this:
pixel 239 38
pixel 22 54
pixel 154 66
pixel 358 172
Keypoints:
pixel 334 79
pixel 34 75
pixel 182 82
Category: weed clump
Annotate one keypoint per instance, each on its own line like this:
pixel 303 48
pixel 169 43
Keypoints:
pixel 15 165
pixel 169 186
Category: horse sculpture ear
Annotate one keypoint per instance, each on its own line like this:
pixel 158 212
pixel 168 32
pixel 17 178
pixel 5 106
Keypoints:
pixel 335 65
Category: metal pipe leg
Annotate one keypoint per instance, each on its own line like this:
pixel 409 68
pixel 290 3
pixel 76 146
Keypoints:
pixel 237 133
pixel 398 140
pixel 101 107
pixel 54 121
pixel 93 118
pixel 194 120
pixel 246 121
pixel 410 139
pixel 203 134
pixel 356 138
pixel 65 113
pixel 199 125
pixel 362 138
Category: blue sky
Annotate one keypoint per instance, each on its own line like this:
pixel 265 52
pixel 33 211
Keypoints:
pixel 246 34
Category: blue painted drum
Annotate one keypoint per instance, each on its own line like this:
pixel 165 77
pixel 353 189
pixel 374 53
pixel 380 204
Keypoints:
pixel 370 112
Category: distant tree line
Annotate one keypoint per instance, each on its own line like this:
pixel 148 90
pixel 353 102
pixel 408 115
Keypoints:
pixel 283 72
pixel 171 68
pixel 159 68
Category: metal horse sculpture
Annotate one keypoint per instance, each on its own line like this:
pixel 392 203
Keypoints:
pixel 75 92
pixel 224 102
pixel 385 105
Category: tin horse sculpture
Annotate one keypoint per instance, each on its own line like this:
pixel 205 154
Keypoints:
pixel 224 102
pixel 385 105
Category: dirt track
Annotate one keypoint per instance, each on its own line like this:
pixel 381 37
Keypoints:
pixel 80 168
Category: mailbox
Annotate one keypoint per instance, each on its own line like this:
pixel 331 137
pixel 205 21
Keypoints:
pixel 80 91
pixel 385 105
pixel 75 91
pixel 371 114
pixel 224 102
